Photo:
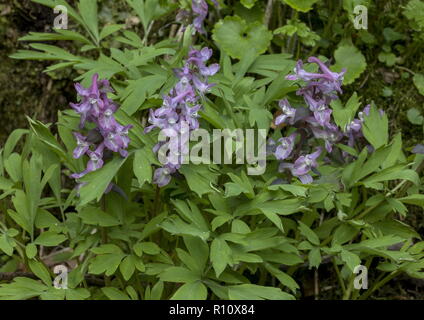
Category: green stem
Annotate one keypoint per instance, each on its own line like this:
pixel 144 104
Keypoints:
pixel 339 276
pixel 346 295
pixel 379 284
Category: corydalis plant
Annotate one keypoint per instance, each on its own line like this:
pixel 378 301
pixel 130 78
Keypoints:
pixel 178 114
pixel 313 122
pixel 107 136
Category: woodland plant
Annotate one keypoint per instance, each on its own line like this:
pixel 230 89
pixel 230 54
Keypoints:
pixel 89 193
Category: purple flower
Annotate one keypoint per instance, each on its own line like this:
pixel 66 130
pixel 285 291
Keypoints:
pixel 285 147
pixel 288 113
pixel 329 135
pixel 302 166
pixel 322 115
pixel 179 111
pixel 320 89
pixel 200 10
pixel 95 162
pixel 95 107
pixel 82 145
pixel 162 176
pixel 331 76
pixel 96 159
pixel 190 115
pixel 302 74
pixel 117 140
pixel 106 120
pixel 202 86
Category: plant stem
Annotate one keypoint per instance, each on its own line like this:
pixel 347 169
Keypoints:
pixel 268 12
pixel 379 284
pixel 348 292
pixel 339 276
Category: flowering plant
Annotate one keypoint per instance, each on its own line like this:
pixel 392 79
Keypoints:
pixel 124 194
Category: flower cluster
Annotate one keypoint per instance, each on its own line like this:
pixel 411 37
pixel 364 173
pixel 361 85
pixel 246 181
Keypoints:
pixel 200 11
pixel 178 114
pixel 312 122
pixel 108 135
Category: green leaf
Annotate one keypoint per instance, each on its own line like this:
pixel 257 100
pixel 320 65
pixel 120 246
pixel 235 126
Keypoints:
pixel 77 294
pixel 149 248
pixel 314 257
pixel 293 189
pixel 147 10
pixel 414 116
pixel 88 11
pixel 258 114
pixel 282 207
pixel 45 219
pixel 157 291
pixel 301 5
pixel 31 250
pixel 275 219
pixel 142 166
pixel 107 248
pixel 414 12
pixel 392 173
pixel 12 141
pixel 179 274
pixel 191 291
pixel 13 167
pixel 95 216
pixel 127 267
pixel 283 277
pixel 49 239
pixel 107 263
pixel 44 134
pixel 199 252
pixel 343 234
pixel 175 225
pixel 415 199
pixel 349 57
pixel 22 289
pixel 137 91
pixel 352 260
pixel 376 128
pixel 233 30
pixel 109 29
pixel 220 255
pixel 114 294
pixel 308 233
pixel 199 178
pixel 6 245
pixel 98 181
pixel 191 212
pixel 40 271
pixel 396 227
pixel 344 115
pixel 396 153
pixel 255 292
pixel 388 58
pixel 59 34
pixel 419 82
